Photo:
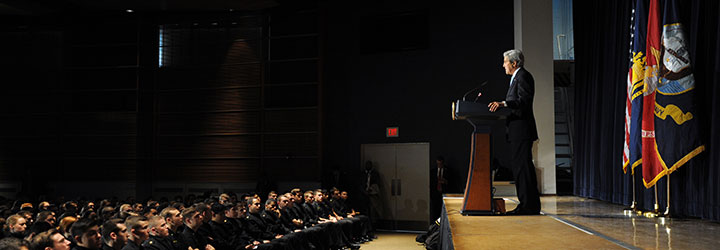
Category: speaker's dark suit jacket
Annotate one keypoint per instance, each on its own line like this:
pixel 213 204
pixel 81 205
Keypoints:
pixel 521 134
pixel 521 122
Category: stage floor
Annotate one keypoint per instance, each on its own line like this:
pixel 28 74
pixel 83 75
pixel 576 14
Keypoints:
pixel 570 222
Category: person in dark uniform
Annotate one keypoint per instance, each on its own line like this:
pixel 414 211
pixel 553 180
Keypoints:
pixel 324 203
pixel 51 239
pixel 193 219
pixel 159 233
pixel 237 219
pixel 307 207
pixel 86 234
pixel 332 230
pixel 258 229
pixel 521 131
pixel 292 219
pixel 324 213
pixel 175 226
pixel 365 220
pixel 293 237
pixel 114 234
pixel 223 234
pixel 288 216
pixel 239 223
pixel 271 216
pixel 256 226
pixel 137 227
pixel 205 230
pixel 339 210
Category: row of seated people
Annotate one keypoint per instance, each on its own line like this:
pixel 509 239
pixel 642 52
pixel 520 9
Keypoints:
pixel 294 220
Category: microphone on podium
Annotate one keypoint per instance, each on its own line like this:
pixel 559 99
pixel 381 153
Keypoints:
pixel 476 88
pixel 478 96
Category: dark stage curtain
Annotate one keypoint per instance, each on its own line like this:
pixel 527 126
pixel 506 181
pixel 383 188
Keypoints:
pixel 602 33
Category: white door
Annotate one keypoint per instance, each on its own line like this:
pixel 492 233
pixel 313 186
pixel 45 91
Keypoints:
pixel 413 194
pixel 404 183
pixel 382 157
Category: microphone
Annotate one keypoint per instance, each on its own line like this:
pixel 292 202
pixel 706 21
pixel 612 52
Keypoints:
pixel 476 88
pixel 478 96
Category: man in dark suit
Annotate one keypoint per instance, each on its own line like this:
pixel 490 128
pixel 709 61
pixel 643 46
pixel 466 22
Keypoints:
pixel 521 131
pixel 439 176
pixel 371 184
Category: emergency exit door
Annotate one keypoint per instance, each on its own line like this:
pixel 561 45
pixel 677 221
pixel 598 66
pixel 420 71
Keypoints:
pixel 403 170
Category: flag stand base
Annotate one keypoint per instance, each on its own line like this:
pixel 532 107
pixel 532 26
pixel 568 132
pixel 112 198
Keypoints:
pixel 650 214
pixel 665 214
pixel 655 212
pixel 633 207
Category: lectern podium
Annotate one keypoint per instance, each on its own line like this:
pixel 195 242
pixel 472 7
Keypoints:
pixel 478 197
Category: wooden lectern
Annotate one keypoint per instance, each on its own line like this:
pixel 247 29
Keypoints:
pixel 478 197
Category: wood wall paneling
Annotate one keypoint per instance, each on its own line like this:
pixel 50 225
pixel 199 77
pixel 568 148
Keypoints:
pixel 235 96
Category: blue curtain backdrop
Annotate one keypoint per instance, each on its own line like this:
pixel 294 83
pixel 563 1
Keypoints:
pixel 602 33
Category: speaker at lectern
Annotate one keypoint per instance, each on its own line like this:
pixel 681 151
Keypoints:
pixel 478 196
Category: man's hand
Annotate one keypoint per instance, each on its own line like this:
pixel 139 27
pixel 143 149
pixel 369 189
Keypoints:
pixel 495 105
pixel 209 247
pixel 297 222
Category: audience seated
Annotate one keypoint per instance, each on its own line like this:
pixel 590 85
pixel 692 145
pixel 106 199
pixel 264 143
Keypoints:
pixel 294 220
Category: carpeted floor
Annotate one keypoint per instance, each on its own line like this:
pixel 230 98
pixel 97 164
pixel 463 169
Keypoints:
pixel 394 241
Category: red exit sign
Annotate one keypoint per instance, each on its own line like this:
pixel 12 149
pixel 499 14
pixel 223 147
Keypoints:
pixel 392 132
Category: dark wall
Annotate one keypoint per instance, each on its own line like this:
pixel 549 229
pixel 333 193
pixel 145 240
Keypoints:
pixel 367 90
pixel 381 64
pixel 86 101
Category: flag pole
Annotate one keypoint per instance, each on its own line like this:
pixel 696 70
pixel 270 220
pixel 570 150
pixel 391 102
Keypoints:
pixel 633 205
pixel 667 208
pixel 657 206
pixel 654 213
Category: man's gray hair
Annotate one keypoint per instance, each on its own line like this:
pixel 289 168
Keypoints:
pixel 515 55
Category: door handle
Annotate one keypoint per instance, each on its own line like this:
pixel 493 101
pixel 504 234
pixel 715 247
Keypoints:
pixel 392 187
pixel 399 187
